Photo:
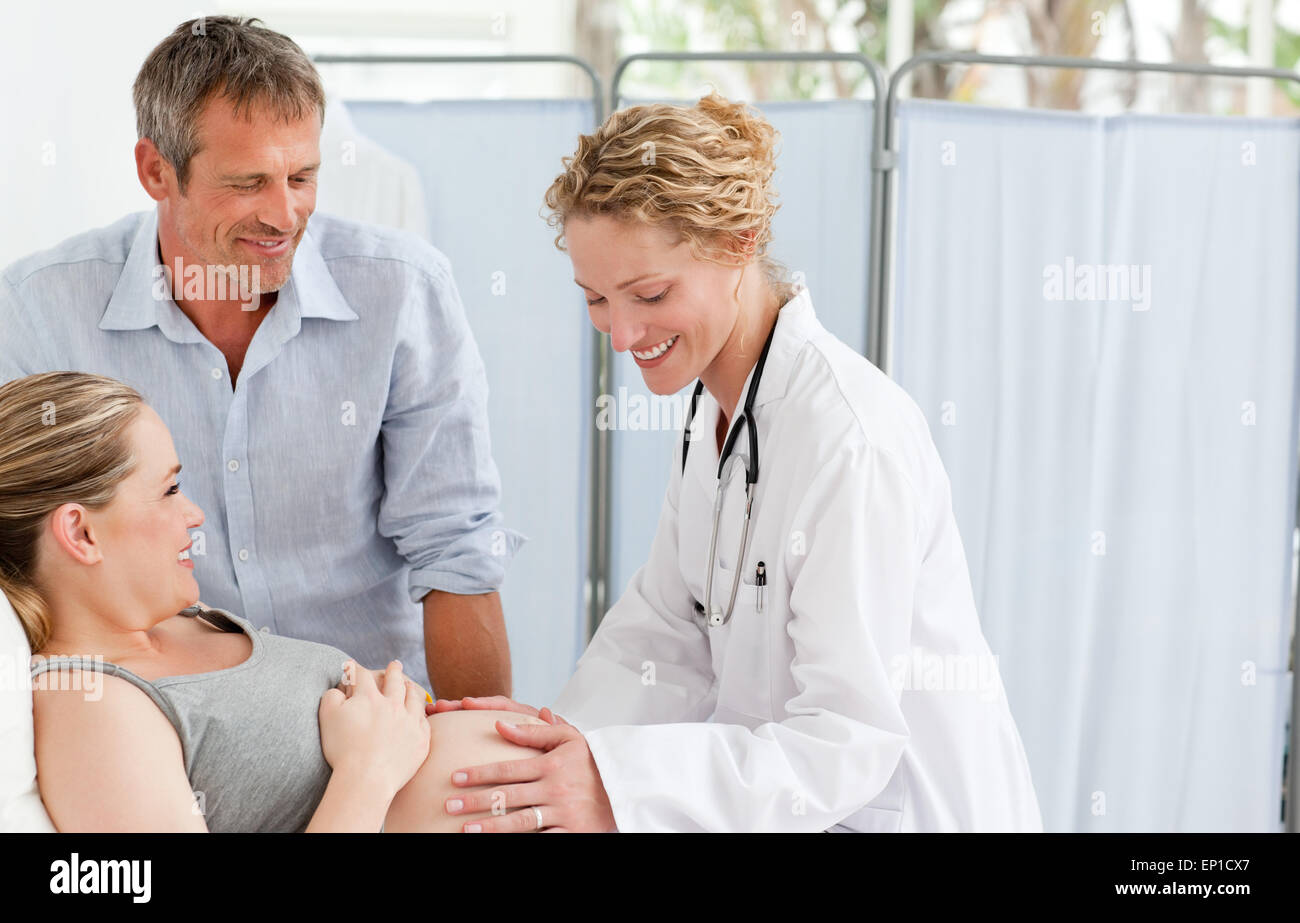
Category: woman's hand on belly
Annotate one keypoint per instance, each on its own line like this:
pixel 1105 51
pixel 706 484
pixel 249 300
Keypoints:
pixel 381 737
pixel 379 681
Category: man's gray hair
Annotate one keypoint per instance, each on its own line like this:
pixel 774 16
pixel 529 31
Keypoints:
pixel 246 63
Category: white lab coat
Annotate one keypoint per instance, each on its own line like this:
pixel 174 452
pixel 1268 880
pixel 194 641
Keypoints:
pixel 842 705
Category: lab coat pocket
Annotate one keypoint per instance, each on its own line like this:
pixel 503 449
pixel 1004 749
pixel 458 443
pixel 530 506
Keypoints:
pixel 742 656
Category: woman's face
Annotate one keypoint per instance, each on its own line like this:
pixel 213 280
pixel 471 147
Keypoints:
pixel 139 536
pixel 673 312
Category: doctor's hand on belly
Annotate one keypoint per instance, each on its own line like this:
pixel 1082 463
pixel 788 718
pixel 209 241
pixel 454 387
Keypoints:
pixel 559 791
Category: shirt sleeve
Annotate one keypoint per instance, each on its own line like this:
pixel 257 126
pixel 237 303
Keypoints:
pixel 441 486
pixel 851 596
pixel 649 661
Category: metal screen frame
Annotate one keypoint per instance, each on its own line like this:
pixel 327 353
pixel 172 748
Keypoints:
pixel 889 155
pixel 593 591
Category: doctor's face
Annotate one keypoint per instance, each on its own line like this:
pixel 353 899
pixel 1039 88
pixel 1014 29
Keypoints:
pixel 251 189
pixel 655 299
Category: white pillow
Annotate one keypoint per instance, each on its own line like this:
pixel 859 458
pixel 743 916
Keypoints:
pixel 21 810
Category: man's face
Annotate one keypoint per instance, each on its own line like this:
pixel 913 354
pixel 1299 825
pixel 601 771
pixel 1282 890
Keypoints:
pixel 251 189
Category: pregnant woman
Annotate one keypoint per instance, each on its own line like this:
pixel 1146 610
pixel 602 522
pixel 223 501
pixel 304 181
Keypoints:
pixel 155 713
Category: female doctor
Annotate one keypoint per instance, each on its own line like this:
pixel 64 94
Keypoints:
pixel 819 665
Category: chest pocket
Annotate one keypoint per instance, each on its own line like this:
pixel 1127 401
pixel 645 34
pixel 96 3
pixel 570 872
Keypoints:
pixel 741 652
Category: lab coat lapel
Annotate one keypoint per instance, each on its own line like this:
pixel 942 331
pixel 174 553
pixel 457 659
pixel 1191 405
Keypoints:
pixel 795 322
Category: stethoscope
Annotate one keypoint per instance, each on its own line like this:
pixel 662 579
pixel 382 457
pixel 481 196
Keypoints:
pixel 726 464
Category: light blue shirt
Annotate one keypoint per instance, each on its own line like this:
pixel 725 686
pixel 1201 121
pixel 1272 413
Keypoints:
pixel 347 473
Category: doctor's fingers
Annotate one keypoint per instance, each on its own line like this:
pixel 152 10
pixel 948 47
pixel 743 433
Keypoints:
pixel 522 821
pixel 524 770
pixel 498 703
pixel 499 799
pixel 551 717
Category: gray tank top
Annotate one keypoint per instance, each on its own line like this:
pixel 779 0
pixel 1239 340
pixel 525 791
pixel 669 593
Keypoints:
pixel 249 734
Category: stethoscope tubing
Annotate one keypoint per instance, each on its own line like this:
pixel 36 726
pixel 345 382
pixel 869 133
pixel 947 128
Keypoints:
pixel 746 419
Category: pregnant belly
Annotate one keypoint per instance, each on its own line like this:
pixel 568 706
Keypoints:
pixel 458 740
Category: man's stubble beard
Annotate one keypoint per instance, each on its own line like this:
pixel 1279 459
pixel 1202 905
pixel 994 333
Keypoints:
pixel 269 278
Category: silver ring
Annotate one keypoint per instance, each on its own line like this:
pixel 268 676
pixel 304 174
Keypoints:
pixel 537 812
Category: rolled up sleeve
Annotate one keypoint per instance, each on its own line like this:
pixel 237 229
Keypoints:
pixel 441 486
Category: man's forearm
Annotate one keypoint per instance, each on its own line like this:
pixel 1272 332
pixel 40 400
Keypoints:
pixel 465 645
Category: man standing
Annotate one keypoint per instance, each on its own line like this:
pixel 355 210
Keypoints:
pixel 319 378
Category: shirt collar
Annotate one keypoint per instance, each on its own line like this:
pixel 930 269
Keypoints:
pixel 140 299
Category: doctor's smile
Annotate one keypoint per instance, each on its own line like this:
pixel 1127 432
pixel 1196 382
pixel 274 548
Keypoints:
pixel 649 358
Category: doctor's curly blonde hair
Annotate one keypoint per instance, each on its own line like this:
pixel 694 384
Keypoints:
pixel 703 172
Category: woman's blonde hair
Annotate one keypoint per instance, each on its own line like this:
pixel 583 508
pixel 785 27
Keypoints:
pixel 703 172
pixel 63 439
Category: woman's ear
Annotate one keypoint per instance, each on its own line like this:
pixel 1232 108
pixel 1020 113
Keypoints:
pixel 72 533
pixel 743 245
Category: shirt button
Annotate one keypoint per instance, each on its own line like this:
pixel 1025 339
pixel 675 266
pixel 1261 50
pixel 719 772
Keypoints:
pixel 233 464
pixel 265 629
pixel 243 554
pixel 216 373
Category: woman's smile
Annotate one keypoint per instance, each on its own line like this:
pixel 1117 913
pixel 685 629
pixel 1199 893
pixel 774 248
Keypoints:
pixel 656 354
